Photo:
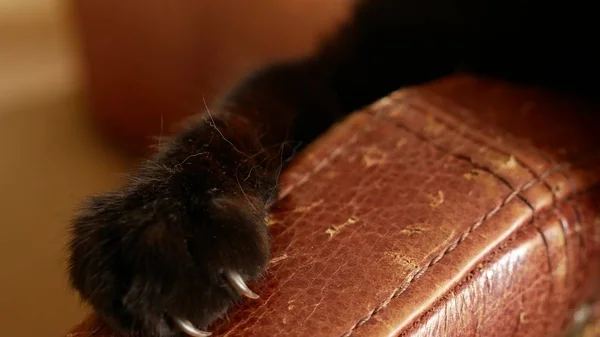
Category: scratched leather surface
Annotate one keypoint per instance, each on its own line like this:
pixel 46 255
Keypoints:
pixel 463 208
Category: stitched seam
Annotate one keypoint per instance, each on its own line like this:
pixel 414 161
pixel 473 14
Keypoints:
pixel 468 136
pixel 416 107
pixel 486 169
pixel 415 275
pixel 440 98
pixel 419 272
pixel 457 155
pixel 464 158
pixel 544 156
pixel 495 148
pixel 534 223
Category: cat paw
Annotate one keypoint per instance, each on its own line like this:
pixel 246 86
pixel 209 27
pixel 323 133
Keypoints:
pixel 171 252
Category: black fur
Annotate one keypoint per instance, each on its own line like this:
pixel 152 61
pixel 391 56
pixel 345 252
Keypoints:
pixel 158 247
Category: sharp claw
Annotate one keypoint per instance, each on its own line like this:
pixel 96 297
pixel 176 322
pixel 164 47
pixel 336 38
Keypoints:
pixel 187 327
pixel 236 281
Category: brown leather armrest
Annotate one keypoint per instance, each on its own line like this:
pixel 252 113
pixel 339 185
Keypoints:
pixel 466 207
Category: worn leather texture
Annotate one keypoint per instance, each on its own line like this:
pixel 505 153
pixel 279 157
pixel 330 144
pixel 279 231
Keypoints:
pixel 464 207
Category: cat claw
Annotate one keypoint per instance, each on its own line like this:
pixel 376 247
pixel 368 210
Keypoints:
pixel 188 328
pixel 236 281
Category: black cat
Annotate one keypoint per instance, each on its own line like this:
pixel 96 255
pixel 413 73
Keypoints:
pixel 171 250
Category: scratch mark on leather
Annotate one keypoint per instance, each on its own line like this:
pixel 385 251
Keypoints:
pixel 471 175
pixel 333 230
pixel 382 103
pixel 271 222
pixel 318 304
pixel 511 162
pixel 374 156
pixel 398 258
pixel 278 259
pixel 413 276
pixel 401 142
pixel 433 126
pixel 436 200
pixel 523 317
pixel 303 209
pixel 412 230
pixel 501 160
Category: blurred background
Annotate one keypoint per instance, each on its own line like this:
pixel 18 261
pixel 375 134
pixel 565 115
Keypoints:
pixel 84 86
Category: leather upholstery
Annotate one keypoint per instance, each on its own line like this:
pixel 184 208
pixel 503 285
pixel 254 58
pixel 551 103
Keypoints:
pixel 465 207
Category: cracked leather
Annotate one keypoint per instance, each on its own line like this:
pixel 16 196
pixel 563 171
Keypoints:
pixel 464 207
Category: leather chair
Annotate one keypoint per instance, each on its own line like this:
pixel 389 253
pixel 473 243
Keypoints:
pixel 464 207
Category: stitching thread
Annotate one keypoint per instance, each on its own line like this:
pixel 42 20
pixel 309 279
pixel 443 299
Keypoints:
pixel 419 272
pixel 468 159
pixel 415 106
pixel 457 106
pixel 533 223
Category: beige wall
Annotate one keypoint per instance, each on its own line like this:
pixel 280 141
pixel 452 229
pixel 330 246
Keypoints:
pixel 49 159
pixel 37 52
